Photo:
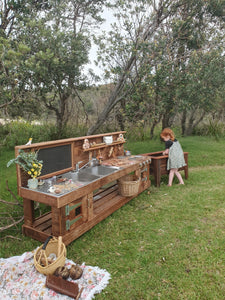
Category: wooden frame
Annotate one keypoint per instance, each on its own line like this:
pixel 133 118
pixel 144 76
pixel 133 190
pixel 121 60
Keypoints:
pixel 75 212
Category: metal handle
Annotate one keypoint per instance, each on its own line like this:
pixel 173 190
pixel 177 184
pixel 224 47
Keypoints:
pixel 46 242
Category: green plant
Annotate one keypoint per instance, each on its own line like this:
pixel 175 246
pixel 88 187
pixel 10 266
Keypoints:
pixel 212 128
pixel 28 162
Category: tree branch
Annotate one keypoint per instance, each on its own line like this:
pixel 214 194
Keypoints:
pixel 113 98
pixel 14 223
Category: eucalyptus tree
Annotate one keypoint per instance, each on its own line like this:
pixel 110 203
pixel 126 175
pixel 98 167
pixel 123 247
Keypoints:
pixel 13 52
pixel 148 52
pixel 137 23
pixel 57 39
pixel 195 53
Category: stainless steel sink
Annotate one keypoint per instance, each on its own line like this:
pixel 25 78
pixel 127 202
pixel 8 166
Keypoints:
pixel 100 170
pixel 89 174
pixel 83 176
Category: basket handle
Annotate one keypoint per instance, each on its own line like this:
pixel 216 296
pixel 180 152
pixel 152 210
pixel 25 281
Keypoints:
pixel 46 242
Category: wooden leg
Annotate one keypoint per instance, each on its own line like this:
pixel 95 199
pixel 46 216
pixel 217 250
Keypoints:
pixel 28 209
pixel 186 172
pixel 158 173
pixel 58 221
pixel 186 167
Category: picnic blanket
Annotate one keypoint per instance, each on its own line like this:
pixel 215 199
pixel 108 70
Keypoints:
pixel 19 279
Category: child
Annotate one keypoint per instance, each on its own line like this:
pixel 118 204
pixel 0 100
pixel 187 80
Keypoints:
pixel 175 155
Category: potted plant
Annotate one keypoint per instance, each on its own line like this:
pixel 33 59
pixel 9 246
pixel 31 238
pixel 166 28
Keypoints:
pixel 29 162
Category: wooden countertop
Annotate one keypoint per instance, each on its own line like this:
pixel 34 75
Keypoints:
pixel 126 164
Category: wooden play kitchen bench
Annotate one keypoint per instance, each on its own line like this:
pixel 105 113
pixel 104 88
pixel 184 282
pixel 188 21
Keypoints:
pixel 76 204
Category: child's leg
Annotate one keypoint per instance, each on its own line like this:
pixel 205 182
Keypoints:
pixel 171 175
pixel 179 176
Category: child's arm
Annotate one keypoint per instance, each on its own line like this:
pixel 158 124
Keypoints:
pixel 166 152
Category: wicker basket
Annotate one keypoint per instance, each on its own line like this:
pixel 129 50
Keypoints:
pixel 129 185
pixel 51 245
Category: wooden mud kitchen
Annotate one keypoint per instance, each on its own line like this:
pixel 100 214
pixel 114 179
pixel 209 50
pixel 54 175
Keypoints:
pixel 82 182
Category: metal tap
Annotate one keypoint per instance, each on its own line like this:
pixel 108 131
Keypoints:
pixel 90 163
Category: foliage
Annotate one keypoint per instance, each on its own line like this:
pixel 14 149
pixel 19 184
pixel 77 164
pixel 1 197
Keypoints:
pixel 16 133
pixel 178 68
pixel 164 58
pixel 212 128
pixel 56 37
pixel 29 162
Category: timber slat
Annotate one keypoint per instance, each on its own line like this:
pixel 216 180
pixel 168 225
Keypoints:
pixel 44 218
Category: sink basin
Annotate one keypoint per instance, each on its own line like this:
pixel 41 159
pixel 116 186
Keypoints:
pixel 83 177
pixel 90 174
pixel 100 170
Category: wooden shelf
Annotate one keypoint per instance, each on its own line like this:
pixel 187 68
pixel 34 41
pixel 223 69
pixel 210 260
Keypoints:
pixel 103 146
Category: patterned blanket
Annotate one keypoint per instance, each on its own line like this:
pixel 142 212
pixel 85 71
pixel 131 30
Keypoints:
pixel 20 280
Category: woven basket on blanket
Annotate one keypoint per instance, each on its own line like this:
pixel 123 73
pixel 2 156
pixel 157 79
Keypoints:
pixel 42 257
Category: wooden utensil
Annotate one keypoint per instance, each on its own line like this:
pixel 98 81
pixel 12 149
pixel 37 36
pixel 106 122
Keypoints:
pixel 59 245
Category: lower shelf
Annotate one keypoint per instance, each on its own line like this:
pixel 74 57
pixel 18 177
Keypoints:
pixel 105 202
pixel 41 228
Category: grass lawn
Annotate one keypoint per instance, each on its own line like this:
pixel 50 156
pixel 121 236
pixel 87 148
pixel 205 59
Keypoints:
pixel 167 243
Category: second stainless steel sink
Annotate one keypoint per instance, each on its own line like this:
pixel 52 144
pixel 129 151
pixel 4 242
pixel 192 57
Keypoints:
pixel 100 170
pixel 83 176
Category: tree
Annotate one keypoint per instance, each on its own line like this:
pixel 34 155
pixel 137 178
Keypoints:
pixel 13 52
pixel 152 54
pixel 146 27
pixel 58 38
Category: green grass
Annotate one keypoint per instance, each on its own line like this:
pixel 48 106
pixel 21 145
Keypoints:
pixel 167 243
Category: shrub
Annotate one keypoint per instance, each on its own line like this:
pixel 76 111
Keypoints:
pixel 16 133
pixel 212 128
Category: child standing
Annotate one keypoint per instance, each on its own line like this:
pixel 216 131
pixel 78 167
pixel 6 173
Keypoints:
pixel 175 155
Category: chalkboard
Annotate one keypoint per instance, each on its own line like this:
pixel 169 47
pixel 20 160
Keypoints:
pixel 55 158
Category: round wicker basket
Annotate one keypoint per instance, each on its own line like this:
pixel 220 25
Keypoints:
pixel 51 246
pixel 129 185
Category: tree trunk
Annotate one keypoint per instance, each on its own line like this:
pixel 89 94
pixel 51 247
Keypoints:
pixel 115 96
pixel 155 122
pixel 193 123
pixel 183 121
pixel 167 120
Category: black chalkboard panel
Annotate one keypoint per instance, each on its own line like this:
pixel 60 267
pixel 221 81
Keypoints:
pixel 55 158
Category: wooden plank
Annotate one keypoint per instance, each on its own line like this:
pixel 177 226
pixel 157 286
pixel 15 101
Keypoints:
pixel 28 210
pixel 105 200
pixel 45 227
pixel 35 234
pixel 104 191
pixel 66 141
pixel 58 221
pixel 43 218
pixel 84 208
pixel 43 223
pixel 90 207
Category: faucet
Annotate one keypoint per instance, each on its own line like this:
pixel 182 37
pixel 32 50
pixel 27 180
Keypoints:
pixel 78 166
pixel 90 163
